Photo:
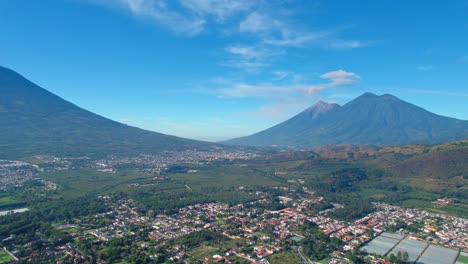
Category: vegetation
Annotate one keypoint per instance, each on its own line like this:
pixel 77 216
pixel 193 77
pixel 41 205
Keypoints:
pixel 348 184
pixel 284 257
pixel 400 258
pixel 462 259
pixel 316 245
pixel 5 257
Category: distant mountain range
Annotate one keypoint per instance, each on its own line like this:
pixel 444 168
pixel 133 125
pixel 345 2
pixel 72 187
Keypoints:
pixel 368 119
pixel 35 121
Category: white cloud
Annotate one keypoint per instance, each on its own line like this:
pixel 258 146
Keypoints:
pixel 276 32
pixel 286 100
pixel 187 17
pixel 269 30
pixel 285 92
pixel 281 75
pixel 335 78
pixel 162 13
pixel 346 44
pixel 258 23
pixel 221 9
pixel 278 35
pixel 249 58
pixel 247 52
pixel 340 77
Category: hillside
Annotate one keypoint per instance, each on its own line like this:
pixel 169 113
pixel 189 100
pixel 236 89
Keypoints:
pixel 368 119
pixel 35 121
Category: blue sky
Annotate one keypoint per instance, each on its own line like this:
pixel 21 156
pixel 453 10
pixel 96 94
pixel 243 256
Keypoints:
pixel 217 69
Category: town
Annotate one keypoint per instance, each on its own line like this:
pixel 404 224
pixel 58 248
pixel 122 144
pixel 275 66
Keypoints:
pixel 250 232
pixel 15 173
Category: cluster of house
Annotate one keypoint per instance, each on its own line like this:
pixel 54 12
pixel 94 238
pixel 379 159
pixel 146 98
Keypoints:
pixel 266 232
pixel 443 201
pixel 14 173
pixel 153 164
pixel 438 228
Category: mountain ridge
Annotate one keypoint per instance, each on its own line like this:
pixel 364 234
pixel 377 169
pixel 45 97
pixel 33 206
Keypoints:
pixel 36 121
pixel 368 119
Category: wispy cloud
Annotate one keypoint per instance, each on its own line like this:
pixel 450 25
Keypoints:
pixel 250 58
pixel 281 75
pixel 264 32
pixel 283 98
pixel 334 78
pixel 346 44
pixel 278 32
pixel 257 23
pixel 161 12
pixel 275 32
pixel 221 9
pixel 185 17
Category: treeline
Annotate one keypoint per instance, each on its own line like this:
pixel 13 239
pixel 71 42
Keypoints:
pixel 122 250
pixel 353 210
pixel 35 225
pixel 196 238
pixel 18 229
pixel 317 245
pixel 64 209
pixel 170 201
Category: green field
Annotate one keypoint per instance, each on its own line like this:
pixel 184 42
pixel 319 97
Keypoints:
pixel 218 182
pixel 226 176
pixel 5 257
pixel 221 182
pixel 75 183
pixel 462 259
pixel 284 257
pixel 10 202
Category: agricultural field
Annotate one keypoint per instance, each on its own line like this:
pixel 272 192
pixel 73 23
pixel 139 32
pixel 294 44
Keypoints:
pixel 382 244
pixel 462 258
pixel 414 248
pixel 284 257
pixel 437 254
pixel 5 257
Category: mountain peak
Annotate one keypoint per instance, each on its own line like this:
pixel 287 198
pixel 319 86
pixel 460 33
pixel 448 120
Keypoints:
pixel 320 107
pixel 369 119
pixel 371 97
pixel 368 95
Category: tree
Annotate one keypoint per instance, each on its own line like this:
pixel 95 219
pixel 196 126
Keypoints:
pixel 405 257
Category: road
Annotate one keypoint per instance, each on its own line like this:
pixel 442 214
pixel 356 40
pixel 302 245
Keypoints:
pixel 9 253
pixel 298 252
